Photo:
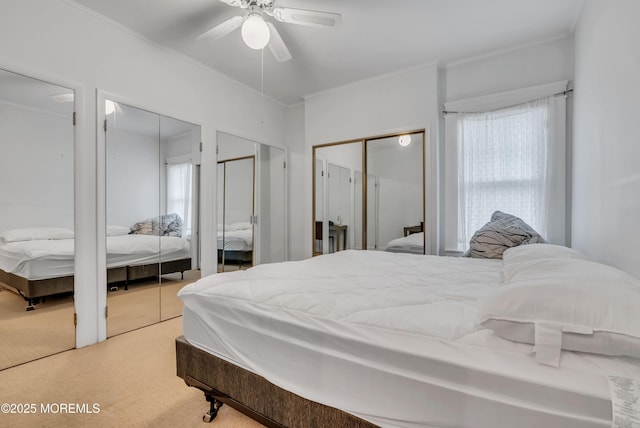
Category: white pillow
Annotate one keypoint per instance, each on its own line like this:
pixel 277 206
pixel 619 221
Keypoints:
pixel 572 304
pixel 517 258
pixel 115 230
pixel 35 233
pixel 525 253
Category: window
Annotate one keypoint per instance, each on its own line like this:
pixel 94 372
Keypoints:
pixel 502 166
pixel 510 159
pixel 179 193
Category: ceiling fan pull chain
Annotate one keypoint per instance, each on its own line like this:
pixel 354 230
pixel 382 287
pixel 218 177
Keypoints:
pixel 262 86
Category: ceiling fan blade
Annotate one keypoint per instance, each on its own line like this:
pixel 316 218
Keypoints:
pixel 223 29
pixel 232 2
pixel 311 18
pixel 277 46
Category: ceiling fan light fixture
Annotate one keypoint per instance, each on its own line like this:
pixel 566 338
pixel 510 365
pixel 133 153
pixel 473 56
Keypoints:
pixel 255 31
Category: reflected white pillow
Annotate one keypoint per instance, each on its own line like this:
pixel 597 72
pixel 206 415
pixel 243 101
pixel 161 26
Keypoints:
pixel 586 306
pixel 237 226
pixel 35 233
pixel 115 230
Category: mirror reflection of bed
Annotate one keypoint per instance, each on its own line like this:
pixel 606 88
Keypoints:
pixel 151 182
pixel 36 219
pixel 236 202
pixel 251 206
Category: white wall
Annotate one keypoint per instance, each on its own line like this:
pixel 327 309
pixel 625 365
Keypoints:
pixel 606 171
pixel 346 155
pixel 396 102
pixel 180 145
pixel 232 146
pixel 512 69
pixel 36 168
pixel 133 177
pixel 87 52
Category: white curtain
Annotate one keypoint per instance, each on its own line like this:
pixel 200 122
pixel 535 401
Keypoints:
pixel 513 160
pixel 179 193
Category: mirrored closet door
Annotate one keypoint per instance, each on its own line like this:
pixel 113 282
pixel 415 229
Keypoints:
pixel 150 211
pixel 36 219
pixel 251 205
pixel 395 208
pixel 338 217
pixel 236 179
pixel 385 211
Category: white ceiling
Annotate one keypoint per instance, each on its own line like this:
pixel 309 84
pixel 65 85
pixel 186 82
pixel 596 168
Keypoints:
pixel 376 36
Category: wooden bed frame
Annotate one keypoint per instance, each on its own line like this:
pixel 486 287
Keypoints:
pixel 34 290
pixel 223 382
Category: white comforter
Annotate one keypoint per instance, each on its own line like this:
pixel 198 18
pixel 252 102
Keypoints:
pixel 387 290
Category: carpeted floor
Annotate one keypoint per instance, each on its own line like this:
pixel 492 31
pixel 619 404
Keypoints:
pixel 130 377
pixel 27 336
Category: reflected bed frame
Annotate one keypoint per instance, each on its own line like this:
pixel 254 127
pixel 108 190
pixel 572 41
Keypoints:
pixel 235 256
pixel 34 290
pixel 251 394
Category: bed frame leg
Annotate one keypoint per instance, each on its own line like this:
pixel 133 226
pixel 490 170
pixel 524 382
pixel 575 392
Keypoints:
pixel 31 304
pixel 213 409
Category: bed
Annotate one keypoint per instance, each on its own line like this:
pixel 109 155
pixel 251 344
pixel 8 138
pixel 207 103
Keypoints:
pixel 413 243
pixel 368 338
pixel 235 244
pixel 36 268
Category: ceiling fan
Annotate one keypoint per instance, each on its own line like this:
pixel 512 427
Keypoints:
pixel 258 33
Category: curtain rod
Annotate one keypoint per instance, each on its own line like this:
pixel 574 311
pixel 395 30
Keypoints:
pixel 567 92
